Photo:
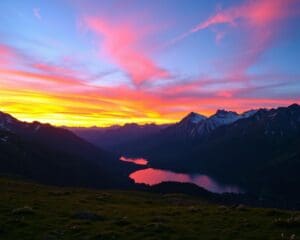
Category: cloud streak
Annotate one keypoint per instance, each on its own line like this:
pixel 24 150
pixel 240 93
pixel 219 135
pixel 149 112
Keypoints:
pixel 122 44
pixel 254 13
pixel 35 85
pixel 37 13
pixel 62 96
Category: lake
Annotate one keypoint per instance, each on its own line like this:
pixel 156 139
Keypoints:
pixel 137 161
pixel 152 176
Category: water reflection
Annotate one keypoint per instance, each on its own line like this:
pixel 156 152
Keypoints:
pixel 151 176
pixel 138 161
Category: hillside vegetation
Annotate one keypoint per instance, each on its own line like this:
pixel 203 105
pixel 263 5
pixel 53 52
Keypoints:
pixel 31 211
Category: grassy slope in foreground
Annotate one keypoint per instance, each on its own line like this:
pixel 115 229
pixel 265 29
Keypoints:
pixel 32 211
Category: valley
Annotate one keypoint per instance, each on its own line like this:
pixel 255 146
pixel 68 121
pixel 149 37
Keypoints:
pixel 257 150
pixel 253 153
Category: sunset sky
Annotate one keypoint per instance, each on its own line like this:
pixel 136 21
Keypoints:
pixel 85 63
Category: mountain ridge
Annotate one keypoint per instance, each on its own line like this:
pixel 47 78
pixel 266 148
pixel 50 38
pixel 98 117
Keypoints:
pixel 55 155
pixel 259 150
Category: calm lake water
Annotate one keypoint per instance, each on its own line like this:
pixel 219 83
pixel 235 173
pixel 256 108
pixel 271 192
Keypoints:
pixel 137 161
pixel 151 176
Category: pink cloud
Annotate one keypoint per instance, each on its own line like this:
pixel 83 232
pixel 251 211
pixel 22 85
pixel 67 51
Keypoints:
pixel 19 69
pixel 45 77
pixel 57 70
pixel 122 44
pixel 259 21
pixel 67 93
pixel 257 13
pixel 7 54
pixel 4 50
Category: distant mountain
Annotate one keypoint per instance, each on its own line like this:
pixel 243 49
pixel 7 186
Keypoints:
pixel 55 138
pixel 133 138
pixel 261 152
pixel 193 118
pixel 55 155
pixel 110 138
pixel 259 149
pixel 195 125
pixel 187 127
pixel 180 136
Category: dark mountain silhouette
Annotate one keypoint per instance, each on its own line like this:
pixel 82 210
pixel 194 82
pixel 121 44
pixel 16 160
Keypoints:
pixel 261 152
pixel 259 149
pixel 196 125
pixel 179 136
pixel 56 156
pixel 110 138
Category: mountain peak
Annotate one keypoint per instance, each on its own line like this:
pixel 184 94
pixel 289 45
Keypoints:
pixel 222 113
pixel 3 114
pixel 131 125
pixel 5 118
pixel 194 117
pixel 223 117
pixel 294 106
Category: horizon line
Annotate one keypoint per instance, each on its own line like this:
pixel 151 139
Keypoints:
pixel 135 122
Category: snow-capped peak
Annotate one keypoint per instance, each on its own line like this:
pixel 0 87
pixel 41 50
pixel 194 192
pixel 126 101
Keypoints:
pixel 194 117
pixel 222 117
pixel 224 113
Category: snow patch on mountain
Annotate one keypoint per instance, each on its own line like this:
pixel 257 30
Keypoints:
pixel 196 125
pixel 222 117
pixel 195 117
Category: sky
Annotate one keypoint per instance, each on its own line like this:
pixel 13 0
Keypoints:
pixel 100 63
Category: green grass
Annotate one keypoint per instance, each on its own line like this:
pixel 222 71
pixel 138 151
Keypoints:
pixel 31 211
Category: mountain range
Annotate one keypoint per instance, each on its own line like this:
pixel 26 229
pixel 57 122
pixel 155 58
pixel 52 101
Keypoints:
pixel 56 156
pixel 192 126
pixel 110 138
pixel 258 149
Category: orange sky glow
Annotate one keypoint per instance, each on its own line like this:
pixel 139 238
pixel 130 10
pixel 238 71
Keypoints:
pixel 80 67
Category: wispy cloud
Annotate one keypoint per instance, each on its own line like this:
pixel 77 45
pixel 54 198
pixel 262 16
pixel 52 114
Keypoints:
pixel 123 45
pixel 38 86
pixel 49 92
pixel 258 24
pixel 37 13
pixel 254 13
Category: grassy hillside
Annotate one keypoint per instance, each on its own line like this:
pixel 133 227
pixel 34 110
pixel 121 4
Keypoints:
pixel 31 211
